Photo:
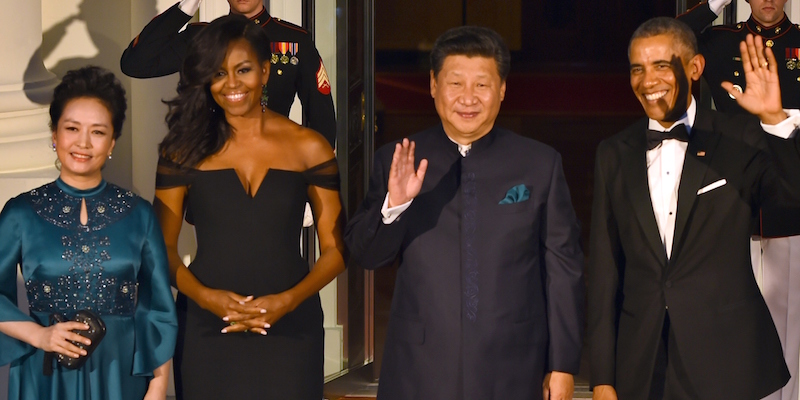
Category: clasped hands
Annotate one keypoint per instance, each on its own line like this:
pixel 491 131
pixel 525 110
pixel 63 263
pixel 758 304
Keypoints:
pixel 247 313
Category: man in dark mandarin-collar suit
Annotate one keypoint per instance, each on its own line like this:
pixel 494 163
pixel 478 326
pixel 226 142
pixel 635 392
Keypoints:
pixel 674 309
pixel 488 302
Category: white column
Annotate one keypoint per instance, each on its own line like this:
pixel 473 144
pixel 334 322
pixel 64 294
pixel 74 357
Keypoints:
pixel 25 91
pixel 26 159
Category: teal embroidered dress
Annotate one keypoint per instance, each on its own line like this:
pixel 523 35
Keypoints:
pixel 115 265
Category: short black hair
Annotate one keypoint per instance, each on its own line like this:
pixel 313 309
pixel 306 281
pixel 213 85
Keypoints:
pixel 471 41
pixel 680 32
pixel 90 82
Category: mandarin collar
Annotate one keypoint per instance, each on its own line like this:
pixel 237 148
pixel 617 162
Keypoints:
pixel 476 146
pixel 262 17
pixel 769 32
pixel 75 192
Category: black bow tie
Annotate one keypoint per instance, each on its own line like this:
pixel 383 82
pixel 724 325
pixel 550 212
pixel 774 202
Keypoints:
pixel 678 132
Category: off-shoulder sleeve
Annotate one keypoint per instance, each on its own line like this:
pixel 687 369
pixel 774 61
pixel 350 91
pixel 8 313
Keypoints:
pixel 170 174
pixel 11 225
pixel 324 175
pixel 156 321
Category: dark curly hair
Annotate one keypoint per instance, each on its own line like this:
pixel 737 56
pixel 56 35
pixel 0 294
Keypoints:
pixel 471 41
pixel 197 125
pixel 93 82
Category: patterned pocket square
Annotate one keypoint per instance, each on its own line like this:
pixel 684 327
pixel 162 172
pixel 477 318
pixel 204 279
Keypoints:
pixel 516 194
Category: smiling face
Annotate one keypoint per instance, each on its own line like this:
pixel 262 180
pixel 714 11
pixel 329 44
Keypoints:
pixel 248 8
pixel 467 93
pixel 236 86
pixel 767 12
pixel 661 73
pixel 84 138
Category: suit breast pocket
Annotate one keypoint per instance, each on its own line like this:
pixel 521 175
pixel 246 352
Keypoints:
pixel 513 208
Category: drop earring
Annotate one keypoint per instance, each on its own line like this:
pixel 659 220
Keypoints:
pixel 109 156
pixel 54 146
pixel 264 98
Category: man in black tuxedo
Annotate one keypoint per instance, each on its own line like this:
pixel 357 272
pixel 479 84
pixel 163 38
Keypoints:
pixel 488 302
pixel 675 312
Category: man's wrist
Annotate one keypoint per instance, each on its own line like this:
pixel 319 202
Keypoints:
pixel 716 6
pixel 773 118
pixel 189 7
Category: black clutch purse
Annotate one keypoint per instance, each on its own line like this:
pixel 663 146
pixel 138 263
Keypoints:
pixel 95 333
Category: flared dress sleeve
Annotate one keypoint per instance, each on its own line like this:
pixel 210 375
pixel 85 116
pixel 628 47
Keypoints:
pixel 156 320
pixel 324 175
pixel 12 222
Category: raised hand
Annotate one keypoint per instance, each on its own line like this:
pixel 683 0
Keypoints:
pixel 404 181
pixel 59 337
pixel 762 95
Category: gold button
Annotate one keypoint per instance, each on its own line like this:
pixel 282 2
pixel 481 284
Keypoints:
pixel 280 72
pixel 798 78
pixel 770 43
pixel 735 73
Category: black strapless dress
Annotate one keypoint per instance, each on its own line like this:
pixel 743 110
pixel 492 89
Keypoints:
pixel 251 246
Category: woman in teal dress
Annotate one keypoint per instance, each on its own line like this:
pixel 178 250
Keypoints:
pixel 85 244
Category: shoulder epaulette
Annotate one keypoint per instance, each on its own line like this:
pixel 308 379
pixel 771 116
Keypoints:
pixel 730 28
pixel 289 25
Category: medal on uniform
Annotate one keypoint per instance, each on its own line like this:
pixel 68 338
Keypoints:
pixel 293 49
pixel 274 59
pixel 284 46
pixel 792 58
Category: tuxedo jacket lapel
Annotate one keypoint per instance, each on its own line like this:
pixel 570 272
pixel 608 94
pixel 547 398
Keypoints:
pixel 699 154
pixel 634 160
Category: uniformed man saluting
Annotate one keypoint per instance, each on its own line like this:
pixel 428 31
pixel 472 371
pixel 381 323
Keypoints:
pixel 296 65
pixel 719 44
pixel 775 256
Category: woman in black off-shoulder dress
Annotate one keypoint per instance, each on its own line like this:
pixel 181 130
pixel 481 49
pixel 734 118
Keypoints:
pixel 249 310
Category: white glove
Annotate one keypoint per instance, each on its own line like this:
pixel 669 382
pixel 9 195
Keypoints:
pixel 189 7
pixel 716 6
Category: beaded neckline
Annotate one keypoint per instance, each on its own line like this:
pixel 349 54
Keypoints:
pixel 60 204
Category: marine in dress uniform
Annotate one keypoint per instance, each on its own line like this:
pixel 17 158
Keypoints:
pixel 776 255
pixel 296 64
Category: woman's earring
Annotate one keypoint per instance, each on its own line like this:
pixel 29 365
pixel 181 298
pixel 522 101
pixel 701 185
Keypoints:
pixel 264 98
pixel 109 156
pixel 54 146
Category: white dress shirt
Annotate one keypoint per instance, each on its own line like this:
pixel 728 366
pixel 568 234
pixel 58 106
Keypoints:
pixel 664 169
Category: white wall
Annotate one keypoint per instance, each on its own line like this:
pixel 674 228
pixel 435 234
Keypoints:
pixel 76 33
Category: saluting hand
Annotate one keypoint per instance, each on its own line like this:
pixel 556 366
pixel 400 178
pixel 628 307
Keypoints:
pixel 404 181
pixel 762 95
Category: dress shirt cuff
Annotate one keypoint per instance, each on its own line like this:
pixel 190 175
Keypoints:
pixel 391 214
pixel 716 6
pixel 189 7
pixel 786 128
